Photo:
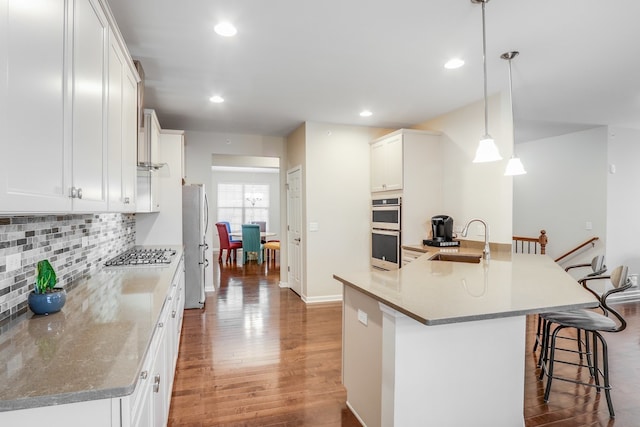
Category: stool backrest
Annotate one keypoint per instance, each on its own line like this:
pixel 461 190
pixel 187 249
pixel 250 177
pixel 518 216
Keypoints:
pixel 620 282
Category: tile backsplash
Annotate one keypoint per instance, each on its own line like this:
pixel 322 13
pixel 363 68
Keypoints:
pixel 76 246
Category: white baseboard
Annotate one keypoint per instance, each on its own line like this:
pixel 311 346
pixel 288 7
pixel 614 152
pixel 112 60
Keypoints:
pixel 355 414
pixel 318 300
pixel 283 284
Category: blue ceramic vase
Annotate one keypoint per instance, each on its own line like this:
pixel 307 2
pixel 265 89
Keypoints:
pixel 47 303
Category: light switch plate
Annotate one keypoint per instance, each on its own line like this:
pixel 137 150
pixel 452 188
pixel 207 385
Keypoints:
pixel 313 226
pixel 14 261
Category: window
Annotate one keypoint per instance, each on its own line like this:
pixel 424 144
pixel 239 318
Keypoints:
pixel 243 203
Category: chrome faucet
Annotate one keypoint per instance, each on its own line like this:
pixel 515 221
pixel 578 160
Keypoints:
pixel 486 254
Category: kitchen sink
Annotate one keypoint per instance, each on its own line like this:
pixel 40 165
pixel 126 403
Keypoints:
pixel 470 258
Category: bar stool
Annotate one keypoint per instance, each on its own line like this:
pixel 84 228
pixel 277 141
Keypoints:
pixel 598 268
pixel 592 324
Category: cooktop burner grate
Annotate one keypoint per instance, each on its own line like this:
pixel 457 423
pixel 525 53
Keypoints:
pixel 142 258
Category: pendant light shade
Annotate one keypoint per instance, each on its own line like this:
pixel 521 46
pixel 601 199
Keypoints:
pixel 514 167
pixel 487 150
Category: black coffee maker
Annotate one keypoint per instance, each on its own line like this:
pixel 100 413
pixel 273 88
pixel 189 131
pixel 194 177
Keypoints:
pixel 441 231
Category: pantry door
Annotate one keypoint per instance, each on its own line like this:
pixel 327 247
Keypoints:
pixel 294 228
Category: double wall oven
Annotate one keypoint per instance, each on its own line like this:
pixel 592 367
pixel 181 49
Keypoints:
pixel 385 232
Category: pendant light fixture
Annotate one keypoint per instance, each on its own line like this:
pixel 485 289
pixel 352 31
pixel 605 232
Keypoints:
pixel 514 167
pixel 487 150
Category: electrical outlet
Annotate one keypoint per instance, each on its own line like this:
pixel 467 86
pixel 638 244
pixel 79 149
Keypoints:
pixel 362 317
pixel 14 262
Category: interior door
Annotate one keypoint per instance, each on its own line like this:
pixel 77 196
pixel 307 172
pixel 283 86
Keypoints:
pixel 294 228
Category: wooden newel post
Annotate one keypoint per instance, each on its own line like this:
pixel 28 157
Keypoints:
pixel 543 242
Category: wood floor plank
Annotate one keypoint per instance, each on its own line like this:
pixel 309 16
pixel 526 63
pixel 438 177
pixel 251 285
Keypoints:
pixel 258 356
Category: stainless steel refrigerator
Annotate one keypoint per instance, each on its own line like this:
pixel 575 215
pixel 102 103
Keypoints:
pixel 195 221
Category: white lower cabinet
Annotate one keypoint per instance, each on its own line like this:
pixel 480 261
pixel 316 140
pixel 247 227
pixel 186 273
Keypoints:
pixel 148 405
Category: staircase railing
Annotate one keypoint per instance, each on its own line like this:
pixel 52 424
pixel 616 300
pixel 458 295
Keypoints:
pixel 577 248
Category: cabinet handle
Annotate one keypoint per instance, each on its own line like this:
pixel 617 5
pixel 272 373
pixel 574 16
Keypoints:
pixel 156 383
pixel 144 375
pixel 79 193
pixel 127 200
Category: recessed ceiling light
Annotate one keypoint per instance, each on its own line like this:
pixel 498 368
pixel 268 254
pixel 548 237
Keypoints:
pixel 366 113
pixel 454 63
pixel 216 99
pixel 225 29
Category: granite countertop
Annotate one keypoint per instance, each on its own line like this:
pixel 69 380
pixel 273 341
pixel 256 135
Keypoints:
pixel 441 292
pixel 93 348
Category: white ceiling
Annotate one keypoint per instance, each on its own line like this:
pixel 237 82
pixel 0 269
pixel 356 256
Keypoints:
pixel 325 61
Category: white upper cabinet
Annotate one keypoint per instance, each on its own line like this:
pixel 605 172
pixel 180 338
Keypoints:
pixel 55 70
pixel 386 164
pixel 90 44
pixel 35 172
pixel 148 188
pixel 122 130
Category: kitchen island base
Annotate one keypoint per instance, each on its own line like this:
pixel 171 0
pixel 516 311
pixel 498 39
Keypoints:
pixel 469 373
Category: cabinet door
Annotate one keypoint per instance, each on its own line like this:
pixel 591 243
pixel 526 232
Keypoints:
pixel 393 157
pixel 386 164
pixel 378 172
pixel 129 139
pixel 121 130
pixel 35 173
pixel 115 126
pixel 160 405
pixel 90 43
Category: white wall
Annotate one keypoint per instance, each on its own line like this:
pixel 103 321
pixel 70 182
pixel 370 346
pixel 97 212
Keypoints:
pixel 200 146
pixel 476 190
pixel 338 196
pixel 564 188
pixel 623 200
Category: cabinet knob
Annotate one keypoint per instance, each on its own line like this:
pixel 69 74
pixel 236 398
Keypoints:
pixel 79 193
pixel 156 383
pixel 160 325
pixel 127 200
pixel 173 314
pixel 144 375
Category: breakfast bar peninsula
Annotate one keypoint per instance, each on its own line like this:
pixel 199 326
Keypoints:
pixel 441 342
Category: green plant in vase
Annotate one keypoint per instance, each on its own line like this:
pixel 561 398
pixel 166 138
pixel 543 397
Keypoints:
pixel 46 298
pixel 46 278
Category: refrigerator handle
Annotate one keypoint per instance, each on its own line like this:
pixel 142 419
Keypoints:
pixel 206 213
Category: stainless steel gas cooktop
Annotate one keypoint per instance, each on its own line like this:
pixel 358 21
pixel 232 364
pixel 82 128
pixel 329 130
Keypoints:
pixel 142 257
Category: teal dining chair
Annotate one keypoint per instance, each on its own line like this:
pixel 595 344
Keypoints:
pixel 251 241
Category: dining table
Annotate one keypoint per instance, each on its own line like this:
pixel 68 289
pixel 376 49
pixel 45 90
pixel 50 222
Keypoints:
pixel 263 234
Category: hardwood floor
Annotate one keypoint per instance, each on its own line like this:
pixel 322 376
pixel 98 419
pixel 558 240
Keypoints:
pixel 258 356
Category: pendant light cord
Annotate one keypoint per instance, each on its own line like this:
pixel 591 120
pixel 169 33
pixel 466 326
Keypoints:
pixel 484 61
pixel 513 118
